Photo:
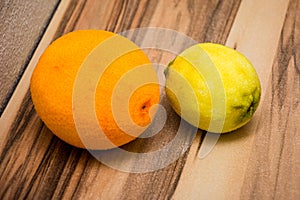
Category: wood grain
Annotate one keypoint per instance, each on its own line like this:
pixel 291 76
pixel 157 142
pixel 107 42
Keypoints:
pixel 273 168
pixel 42 166
pixel 250 163
pixel 22 25
pixel 221 174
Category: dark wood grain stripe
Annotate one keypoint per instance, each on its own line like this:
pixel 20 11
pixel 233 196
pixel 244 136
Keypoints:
pixel 147 8
pixel 115 17
pixel 273 169
pixel 70 18
pixel 37 165
pixel 215 23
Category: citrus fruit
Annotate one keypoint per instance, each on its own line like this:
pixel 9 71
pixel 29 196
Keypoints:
pixel 213 87
pixel 53 80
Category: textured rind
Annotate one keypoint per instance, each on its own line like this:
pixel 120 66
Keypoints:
pixel 239 81
pixel 52 85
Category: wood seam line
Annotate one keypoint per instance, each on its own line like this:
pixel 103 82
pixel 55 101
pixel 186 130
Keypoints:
pixel 11 110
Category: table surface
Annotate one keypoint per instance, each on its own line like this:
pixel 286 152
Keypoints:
pixel 259 161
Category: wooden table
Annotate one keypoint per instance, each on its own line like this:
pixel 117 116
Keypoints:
pixel 258 161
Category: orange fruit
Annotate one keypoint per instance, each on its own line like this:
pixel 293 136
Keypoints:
pixel 53 80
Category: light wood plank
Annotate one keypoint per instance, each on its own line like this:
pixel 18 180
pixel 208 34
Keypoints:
pixel 273 170
pixel 255 32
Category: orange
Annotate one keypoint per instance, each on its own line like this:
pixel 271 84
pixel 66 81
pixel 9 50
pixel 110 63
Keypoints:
pixel 53 80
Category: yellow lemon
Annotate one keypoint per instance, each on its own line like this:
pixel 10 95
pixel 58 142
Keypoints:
pixel 213 87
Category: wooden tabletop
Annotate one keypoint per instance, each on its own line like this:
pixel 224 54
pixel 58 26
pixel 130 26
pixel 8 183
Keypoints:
pixel 259 161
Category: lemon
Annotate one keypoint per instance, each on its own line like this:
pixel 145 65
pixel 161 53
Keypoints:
pixel 213 87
